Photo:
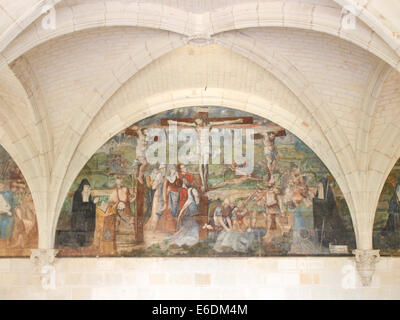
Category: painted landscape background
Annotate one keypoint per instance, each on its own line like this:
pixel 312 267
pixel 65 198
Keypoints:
pixel 289 205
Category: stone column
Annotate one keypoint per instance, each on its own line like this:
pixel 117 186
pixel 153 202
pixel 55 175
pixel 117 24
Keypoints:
pixel 43 261
pixel 365 264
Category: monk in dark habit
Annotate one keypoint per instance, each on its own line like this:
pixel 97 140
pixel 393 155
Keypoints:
pixel 393 221
pixel 327 222
pixel 83 220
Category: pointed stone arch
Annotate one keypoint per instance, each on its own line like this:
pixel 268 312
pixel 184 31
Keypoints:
pixel 107 127
pixel 246 15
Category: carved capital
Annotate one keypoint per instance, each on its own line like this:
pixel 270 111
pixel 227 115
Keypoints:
pixel 365 264
pixel 43 257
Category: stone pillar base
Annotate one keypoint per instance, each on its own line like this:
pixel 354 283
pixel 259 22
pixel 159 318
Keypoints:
pixel 365 264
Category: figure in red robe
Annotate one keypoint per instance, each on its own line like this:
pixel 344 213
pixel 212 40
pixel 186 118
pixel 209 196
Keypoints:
pixel 183 192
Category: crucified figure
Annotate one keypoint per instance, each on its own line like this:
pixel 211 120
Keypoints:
pixel 271 153
pixel 203 127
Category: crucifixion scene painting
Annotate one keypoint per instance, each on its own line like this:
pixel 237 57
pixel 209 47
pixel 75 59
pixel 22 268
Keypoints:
pixel 204 181
pixel 18 225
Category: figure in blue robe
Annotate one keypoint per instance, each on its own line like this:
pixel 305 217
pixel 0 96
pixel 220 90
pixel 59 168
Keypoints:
pixel 7 218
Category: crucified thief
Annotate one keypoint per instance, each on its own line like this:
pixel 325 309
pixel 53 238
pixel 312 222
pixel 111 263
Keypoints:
pixel 203 127
pixel 270 151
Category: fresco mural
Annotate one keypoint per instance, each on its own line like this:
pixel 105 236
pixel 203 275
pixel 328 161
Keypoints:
pixel 18 225
pixel 387 217
pixel 204 182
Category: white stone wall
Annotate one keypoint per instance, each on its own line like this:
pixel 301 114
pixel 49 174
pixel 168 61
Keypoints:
pixel 200 278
